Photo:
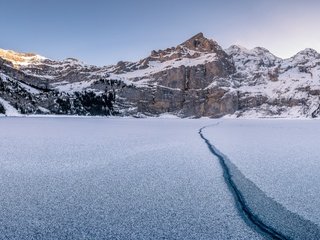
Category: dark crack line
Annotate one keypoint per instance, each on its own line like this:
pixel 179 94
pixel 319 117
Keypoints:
pixel 249 217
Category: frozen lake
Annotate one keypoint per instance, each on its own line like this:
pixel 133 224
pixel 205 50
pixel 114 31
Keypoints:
pixel 104 178
pixel 95 178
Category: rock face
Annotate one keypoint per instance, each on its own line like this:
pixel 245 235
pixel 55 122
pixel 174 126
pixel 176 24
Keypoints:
pixel 194 79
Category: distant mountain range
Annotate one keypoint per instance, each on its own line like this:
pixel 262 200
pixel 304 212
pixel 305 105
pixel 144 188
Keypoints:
pixel 194 79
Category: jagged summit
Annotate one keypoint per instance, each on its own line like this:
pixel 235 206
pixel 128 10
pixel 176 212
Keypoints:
pixel 237 49
pixel 308 52
pixel 261 50
pixel 20 58
pixel 200 43
pixel 4 53
pixel 193 48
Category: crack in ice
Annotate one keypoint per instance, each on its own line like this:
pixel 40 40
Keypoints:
pixel 258 210
pixel 249 217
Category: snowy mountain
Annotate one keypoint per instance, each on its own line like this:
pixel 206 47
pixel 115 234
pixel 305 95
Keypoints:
pixel 196 78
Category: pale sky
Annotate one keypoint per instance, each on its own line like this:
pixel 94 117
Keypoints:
pixel 103 32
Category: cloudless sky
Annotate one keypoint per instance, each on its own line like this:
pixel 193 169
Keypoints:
pixel 103 32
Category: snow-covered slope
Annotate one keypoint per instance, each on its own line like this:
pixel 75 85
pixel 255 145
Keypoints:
pixel 195 78
pixel 21 59
pixel 9 110
pixel 291 86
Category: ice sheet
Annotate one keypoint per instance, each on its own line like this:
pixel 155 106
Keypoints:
pixel 97 178
pixel 282 157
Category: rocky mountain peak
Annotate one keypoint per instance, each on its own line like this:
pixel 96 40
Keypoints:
pixel 19 58
pixel 257 51
pixel 261 50
pixel 195 47
pixel 237 50
pixel 308 52
pixel 200 43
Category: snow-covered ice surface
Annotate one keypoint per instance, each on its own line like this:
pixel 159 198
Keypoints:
pixel 97 178
pixel 279 164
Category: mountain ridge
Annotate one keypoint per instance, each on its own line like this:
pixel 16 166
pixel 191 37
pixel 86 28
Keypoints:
pixel 200 34
pixel 193 79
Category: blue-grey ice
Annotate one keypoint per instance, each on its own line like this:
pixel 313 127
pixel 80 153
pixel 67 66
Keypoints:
pixel 97 178
pixel 276 164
